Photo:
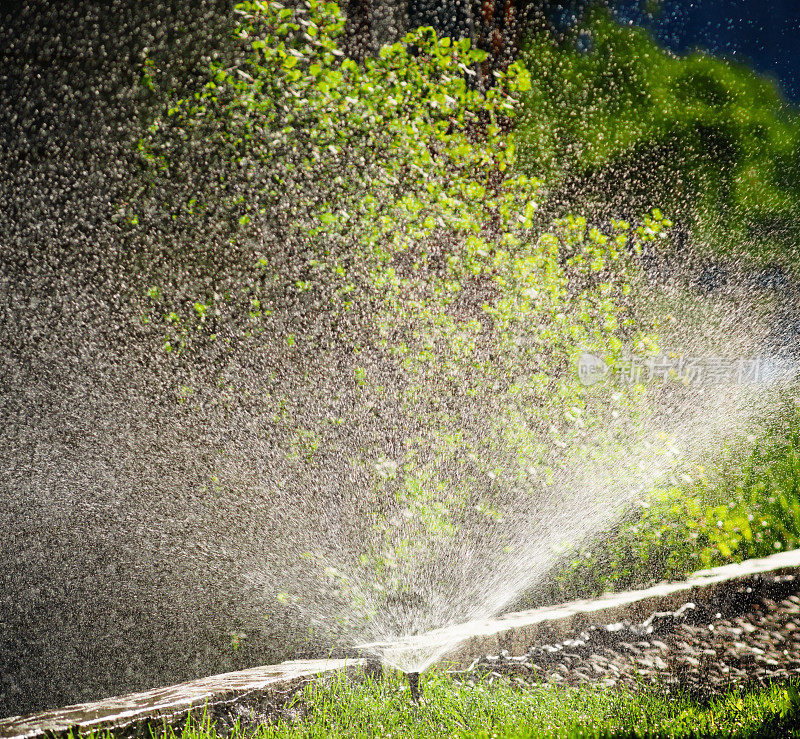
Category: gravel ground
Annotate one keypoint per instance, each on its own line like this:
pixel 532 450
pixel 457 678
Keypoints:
pixel 749 635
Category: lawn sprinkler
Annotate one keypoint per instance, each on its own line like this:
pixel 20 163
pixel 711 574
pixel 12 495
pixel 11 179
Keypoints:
pixel 413 683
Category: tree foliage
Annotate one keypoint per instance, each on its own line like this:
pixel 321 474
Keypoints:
pixel 349 252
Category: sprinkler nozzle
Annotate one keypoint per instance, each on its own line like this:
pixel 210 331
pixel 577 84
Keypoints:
pixel 413 683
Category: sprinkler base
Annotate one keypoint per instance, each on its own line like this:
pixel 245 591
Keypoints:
pixel 413 683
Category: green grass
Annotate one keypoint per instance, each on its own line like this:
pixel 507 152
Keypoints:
pixel 352 708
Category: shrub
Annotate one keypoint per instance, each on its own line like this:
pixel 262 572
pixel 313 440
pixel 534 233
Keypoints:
pixel 623 122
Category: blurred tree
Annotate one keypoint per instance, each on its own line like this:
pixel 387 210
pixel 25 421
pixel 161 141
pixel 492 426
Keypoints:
pixel 615 123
